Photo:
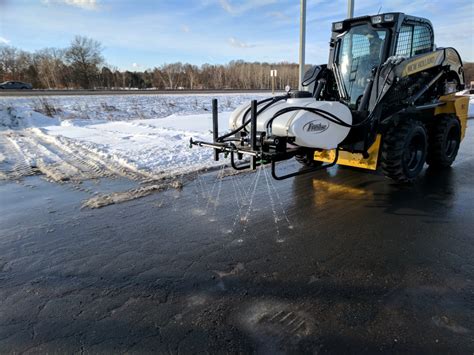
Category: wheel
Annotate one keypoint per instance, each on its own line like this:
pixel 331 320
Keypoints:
pixel 404 151
pixel 307 159
pixel 444 141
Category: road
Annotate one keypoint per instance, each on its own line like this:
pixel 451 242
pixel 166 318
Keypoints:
pixel 334 262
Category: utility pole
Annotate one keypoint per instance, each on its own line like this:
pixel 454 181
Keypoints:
pixel 350 8
pixel 302 41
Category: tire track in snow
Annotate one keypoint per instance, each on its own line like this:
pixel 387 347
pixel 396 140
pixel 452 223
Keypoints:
pixel 90 156
pixel 60 159
pixel 86 166
pixel 48 160
pixel 13 163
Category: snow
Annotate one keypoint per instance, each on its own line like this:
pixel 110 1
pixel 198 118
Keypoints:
pixel 130 107
pixel 156 145
pixel 140 137
pixel 12 117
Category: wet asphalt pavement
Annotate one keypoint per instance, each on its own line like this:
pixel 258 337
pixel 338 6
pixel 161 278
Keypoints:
pixel 340 261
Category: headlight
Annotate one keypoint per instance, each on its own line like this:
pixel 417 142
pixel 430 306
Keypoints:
pixel 389 17
pixel 377 19
pixel 338 26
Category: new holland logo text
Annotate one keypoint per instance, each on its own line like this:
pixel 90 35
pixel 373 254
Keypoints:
pixel 316 126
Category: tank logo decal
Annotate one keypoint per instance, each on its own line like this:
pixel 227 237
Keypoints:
pixel 316 126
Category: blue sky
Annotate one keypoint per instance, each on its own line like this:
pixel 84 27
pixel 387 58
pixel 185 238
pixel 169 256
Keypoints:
pixel 143 34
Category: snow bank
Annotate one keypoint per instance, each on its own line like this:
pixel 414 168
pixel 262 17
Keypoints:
pixel 18 118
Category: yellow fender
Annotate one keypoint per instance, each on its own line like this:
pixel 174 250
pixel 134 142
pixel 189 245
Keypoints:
pixel 458 105
pixel 356 160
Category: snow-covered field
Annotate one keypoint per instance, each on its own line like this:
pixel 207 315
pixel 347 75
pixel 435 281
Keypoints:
pixel 130 107
pixel 138 137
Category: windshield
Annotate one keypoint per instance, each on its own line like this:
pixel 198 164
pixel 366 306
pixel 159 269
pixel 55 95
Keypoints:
pixel 360 50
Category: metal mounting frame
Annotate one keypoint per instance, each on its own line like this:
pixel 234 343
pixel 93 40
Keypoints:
pixel 305 171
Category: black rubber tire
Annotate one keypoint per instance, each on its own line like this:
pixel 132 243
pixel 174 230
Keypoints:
pixel 307 159
pixel 404 151
pixel 444 141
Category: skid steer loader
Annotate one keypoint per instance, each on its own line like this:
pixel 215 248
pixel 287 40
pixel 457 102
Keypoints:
pixel 385 100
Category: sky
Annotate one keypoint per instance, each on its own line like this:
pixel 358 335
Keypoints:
pixel 141 34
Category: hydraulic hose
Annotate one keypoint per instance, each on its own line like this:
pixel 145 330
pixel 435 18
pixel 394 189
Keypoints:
pixel 379 93
pixel 247 111
pixel 325 114
pixel 245 123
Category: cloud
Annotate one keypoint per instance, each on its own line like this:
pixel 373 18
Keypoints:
pixel 137 67
pixel 281 17
pixel 227 6
pixel 83 4
pixel 238 44
pixel 4 40
pixel 185 29
pixel 243 6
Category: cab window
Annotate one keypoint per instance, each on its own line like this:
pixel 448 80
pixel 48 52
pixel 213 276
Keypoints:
pixel 413 40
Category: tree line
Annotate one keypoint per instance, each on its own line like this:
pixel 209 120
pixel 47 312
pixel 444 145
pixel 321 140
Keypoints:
pixel 82 66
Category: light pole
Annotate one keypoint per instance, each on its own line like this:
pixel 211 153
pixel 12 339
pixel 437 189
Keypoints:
pixel 350 14
pixel 350 8
pixel 302 41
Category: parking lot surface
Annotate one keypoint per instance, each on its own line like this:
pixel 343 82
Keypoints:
pixel 336 261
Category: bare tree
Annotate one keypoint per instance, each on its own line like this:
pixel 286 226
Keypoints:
pixel 8 57
pixel 84 56
pixel 49 63
pixel 14 63
pixel 107 78
pixel 191 73
pixel 171 75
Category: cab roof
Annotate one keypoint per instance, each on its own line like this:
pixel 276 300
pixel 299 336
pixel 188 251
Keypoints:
pixel 385 19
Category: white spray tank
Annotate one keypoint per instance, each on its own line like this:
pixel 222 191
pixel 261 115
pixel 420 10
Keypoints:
pixel 308 129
